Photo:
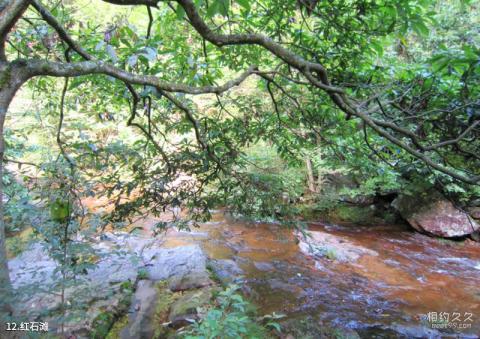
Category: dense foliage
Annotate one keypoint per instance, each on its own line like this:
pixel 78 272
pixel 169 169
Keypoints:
pixel 383 53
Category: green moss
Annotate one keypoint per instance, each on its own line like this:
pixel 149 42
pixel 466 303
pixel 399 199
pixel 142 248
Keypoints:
pixel 117 328
pixel 101 325
pixel 164 302
pixel 107 324
pixel 142 274
pixel 190 301
pixel 127 286
pixel 354 214
pixel 18 243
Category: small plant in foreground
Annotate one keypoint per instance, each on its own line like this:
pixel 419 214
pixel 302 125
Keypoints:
pixel 230 318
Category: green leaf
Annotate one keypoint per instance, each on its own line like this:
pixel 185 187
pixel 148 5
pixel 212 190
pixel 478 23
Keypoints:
pixel 245 4
pixel 420 28
pixel 59 210
pixel 224 7
pixel 218 7
pixel 180 12
pixel 377 47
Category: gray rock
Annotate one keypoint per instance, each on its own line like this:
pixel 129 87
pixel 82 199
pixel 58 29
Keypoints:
pixel 126 242
pixel 320 244
pixel 474 212
pixel 103 289
pixel 227 270
pixel 142 311
pixel 191 280
pixel 263 266
pixel 184 267
pixel 32 266
pixel 114 269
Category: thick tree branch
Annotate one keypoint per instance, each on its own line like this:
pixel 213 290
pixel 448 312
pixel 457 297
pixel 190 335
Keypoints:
pixel 252 39
pixel 133 78
pixel 151 3
pixel 36 67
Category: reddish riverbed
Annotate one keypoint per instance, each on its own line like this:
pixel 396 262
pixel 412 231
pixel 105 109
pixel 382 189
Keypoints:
pixel 389 294
pixel 403 285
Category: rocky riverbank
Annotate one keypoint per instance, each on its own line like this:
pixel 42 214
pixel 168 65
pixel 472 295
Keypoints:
pixel 365 281
pixel 131 276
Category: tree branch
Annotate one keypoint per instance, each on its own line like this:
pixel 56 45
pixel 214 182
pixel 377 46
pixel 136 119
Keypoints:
pixel 36 67
pixel 10 12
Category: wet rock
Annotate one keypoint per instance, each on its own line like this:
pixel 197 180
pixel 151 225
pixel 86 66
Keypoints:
pixel 184 267
pixel 184 311
pixel 105 291
pixel 475 236
pixel 277 284
pixel 419 331
pixel 141 314
pixel 190 280
pixel 263 266
pixel 226 270
pixel 431 213
pixel 474 212
pixel 310 327
pixel 32 266
pixel 324 245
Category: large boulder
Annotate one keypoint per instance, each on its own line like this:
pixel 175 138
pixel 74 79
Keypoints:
pixel 431 213
pixel 184 267
pixel 104 292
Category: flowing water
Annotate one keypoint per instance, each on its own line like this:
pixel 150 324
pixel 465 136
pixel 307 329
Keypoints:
pixel 402 285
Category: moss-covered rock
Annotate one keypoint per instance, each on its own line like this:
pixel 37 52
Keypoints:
pixel 117 328
pixel 101 325
pixel 352 213
pixel 165 299
pixel 185 309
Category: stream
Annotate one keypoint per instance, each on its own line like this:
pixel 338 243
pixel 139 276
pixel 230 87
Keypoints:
pixel 402 283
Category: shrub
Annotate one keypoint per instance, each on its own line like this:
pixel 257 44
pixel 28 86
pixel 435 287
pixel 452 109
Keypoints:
pixel 230 317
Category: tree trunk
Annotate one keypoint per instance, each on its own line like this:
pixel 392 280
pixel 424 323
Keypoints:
pixel 5 283
pixel 10 82
pixel 320 174
pixel 310 177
